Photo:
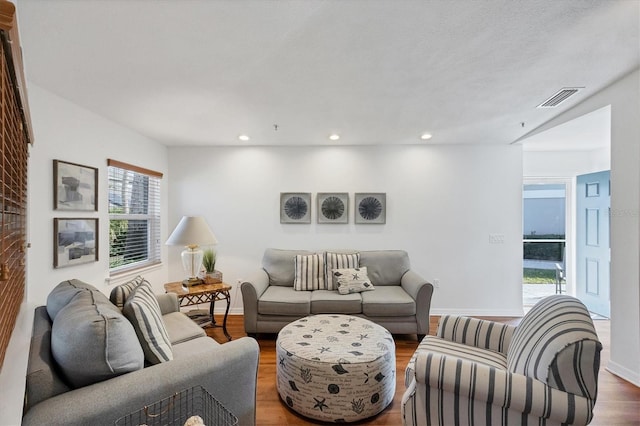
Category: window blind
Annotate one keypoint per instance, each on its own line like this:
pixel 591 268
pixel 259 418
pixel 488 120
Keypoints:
pixel 134 216
pixel 15 134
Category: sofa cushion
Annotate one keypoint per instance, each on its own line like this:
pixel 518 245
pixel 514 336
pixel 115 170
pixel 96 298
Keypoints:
pixel 551 336
pixel 120 292
pixel 331 302
pixel 385 267
pixel 92 341
pixel 339 261
pixel 309 272
pixel 62 294
pixel 352 280
pixel 279 300
pixel 458 350
pixel 180 328
pixel 142 309
pixel 280 265
pixel 387 301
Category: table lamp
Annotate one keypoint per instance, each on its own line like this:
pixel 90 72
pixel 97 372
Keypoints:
pixel 192 232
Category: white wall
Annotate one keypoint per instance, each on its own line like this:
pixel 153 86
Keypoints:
pixel 64 131
pixel 624 98
pixel 442 204
pixel 564 163
pixel 67 132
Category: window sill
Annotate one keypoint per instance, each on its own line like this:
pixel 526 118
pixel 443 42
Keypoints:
pixel 129 273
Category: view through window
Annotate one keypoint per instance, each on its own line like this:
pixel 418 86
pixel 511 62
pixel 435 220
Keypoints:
pixel 134 217
pixel 544 240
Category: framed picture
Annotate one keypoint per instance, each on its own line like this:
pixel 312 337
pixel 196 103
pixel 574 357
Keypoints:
pixel 75 187
pixel 75 241
pixel 295 207
pixel 371 207
pixel 333 207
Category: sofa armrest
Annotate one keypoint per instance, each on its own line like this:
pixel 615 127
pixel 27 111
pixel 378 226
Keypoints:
pixel 228 372
pixel 467 380
pixel 168 303
pixel 421 291
pixel 252 289
pixel 484 334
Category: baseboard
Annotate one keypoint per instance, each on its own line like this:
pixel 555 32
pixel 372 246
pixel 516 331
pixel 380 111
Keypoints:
pixel 624 373
pixel 468 312
pixel 479 312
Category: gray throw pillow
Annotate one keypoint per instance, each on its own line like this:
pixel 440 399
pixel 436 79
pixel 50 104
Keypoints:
pixel 92 341
pixel 143 311
pixel 63 293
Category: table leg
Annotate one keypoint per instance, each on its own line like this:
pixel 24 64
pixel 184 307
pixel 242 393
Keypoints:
pixel 226 314
pixel 212 304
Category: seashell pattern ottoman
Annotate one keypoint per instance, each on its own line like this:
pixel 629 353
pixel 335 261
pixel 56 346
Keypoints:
pixel 336 368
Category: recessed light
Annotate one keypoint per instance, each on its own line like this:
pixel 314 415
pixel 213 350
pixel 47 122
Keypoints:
pixel 426 136
pixel 334 137
pixel 243 138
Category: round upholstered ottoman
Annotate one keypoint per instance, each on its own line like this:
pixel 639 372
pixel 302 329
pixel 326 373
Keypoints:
pixel 336 368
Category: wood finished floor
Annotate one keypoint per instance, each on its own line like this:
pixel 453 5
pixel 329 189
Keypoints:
pixel 618 400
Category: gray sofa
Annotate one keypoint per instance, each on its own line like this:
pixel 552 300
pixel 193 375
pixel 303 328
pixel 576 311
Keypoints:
pixel 400 302
pixel 52 396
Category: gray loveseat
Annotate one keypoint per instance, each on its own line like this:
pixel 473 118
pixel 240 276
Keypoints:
pixel 400 302
pixel 64 396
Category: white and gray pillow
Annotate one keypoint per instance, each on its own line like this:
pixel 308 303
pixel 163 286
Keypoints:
pixel 143 311
pixel 309 272
pixel 120 293
pixel 352 280
pixel 339 261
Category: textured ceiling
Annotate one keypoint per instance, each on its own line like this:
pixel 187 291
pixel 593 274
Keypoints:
pixel 202 72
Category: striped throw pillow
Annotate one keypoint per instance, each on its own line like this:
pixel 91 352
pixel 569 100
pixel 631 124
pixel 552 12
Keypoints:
pixel 120 292
pixel 339 261
pixel 143 311
pixel 309 272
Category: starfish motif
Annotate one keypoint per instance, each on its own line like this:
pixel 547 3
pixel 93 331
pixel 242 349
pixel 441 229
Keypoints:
pixel 316 330
pixel 282 361
pixel 324 349
pixel 363 336
pixel 355 276
pixel 320 403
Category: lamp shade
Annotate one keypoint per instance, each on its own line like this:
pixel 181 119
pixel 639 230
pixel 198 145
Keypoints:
pixel 192 231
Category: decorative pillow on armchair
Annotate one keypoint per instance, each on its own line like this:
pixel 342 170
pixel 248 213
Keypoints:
pixel 352 280
pixel 309 272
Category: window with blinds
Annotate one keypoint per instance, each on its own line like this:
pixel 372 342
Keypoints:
pixel 134 217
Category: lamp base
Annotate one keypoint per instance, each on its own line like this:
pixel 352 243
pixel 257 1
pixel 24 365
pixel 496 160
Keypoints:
pixel 191 282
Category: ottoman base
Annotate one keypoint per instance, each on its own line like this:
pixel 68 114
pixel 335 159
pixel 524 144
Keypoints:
pixel 335 368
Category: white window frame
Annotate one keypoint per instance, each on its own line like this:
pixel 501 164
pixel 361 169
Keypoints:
pixel 152 217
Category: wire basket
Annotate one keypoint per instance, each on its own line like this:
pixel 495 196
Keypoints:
pixel 177 408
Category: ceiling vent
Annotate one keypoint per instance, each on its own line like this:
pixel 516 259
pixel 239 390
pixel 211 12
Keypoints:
pixel 559 97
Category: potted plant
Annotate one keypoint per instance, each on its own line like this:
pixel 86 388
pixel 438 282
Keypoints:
pixel 209 262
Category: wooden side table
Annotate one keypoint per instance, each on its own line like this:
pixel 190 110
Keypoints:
pixel 203 293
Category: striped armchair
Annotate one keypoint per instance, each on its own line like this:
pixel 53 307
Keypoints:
pixel 543 371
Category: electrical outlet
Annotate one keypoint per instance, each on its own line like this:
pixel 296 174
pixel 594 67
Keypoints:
pixel 436 282
pixel 496 238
